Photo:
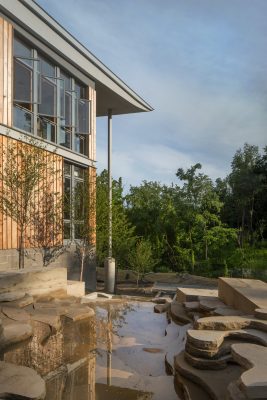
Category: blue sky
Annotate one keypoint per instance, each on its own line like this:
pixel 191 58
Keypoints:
pixel 201 64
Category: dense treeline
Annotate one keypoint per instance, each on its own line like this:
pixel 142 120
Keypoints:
pixel 196 225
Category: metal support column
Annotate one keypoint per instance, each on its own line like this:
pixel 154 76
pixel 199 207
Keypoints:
pixel 110 262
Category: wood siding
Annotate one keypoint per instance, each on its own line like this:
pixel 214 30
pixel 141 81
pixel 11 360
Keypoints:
pixel 9 232
pixel 6 72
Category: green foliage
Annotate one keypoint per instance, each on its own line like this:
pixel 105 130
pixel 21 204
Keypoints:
pixel 197 225
pixel 141 258
pixel 123 232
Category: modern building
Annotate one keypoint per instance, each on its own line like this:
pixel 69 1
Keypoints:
pixel 53 89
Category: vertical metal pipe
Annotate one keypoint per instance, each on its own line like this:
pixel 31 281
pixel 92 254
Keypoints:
pixel 110 183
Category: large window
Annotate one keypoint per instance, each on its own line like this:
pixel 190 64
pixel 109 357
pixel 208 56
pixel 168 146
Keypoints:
pixel 49 102
pixel 75 197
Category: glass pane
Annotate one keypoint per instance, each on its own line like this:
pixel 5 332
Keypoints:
pixel 46 130
pixel 80 91
pixel 65 138
pixel 80 144
pixel 47 69
pixel 82 125
pixel 79 172
pixel 67 80
pixel 78 231
pixel 22 82
pixel 48 97
pixel 22 119
pixel 68 109
pixel 21 49
pixel 67 232
pixel 66 169
pixel 67 198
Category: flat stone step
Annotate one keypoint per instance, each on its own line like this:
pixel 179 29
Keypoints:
pixel 214 382
pixel 193 293
pixel 204 363
pixel 161 308
pixel 178 313
pixel 234 393
pixel 11 296
pixel 212 340
pixel 210 303
pixel 15 332
pixel 223 323
pixel 243 294
pixel 78 314
pixel 21 381
pixel 261 313
pixel 47 316
pixel 17 314
pixel 253 382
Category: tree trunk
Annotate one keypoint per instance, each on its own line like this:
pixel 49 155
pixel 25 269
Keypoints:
pixel 21 249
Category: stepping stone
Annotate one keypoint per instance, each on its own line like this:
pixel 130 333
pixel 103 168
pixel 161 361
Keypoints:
pixel 191 305
pixel 210 303
pixel 162 300
pixel 184 294
pixel 100 296
pixel 204 363
pixel 227 311
pixel 230 323
pixel 234 393
pixel 261 313
pixel 14 333
pixel 178 313
pixel 17 314
pixel 11 296
pixel 161 308
pixel 243 294
pixel 78 314
pixel 212 340
pixel 21 381
pixel 214 382
pixel 47 317
pixel 253 382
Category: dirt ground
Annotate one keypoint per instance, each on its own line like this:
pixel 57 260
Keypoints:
pixel 126 282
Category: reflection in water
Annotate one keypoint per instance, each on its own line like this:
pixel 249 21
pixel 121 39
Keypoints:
pixel 100 358
pixel 65 359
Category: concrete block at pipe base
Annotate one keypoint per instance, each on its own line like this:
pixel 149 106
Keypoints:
pixel 110 268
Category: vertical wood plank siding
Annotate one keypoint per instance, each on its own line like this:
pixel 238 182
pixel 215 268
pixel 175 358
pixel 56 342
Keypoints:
pixel 9 232
pixel 6 71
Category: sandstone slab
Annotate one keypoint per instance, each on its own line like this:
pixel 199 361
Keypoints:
pixel 214 382
pixel 204 363
pixel 95 296
pixel 261 313
pixel 227 311
pixel 14 333
pixel 178 313
pixel 227 323
pixel 210 303
pixel 35 282
pixel 48 317
pixel 191 305
pixel 192 293
pixel 78 314
pixel 212 340
pixel 21 381
pixel 11 296
pixel 161 308
pixel 253 382
pixel 243 294
pixel 75 288
pixel 17 314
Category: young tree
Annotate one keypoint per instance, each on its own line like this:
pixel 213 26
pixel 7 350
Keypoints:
pixel 141 258
pixel 26 173
pixel 123 232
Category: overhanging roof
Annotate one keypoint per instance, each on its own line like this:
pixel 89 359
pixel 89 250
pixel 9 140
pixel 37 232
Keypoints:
pixel 112 92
